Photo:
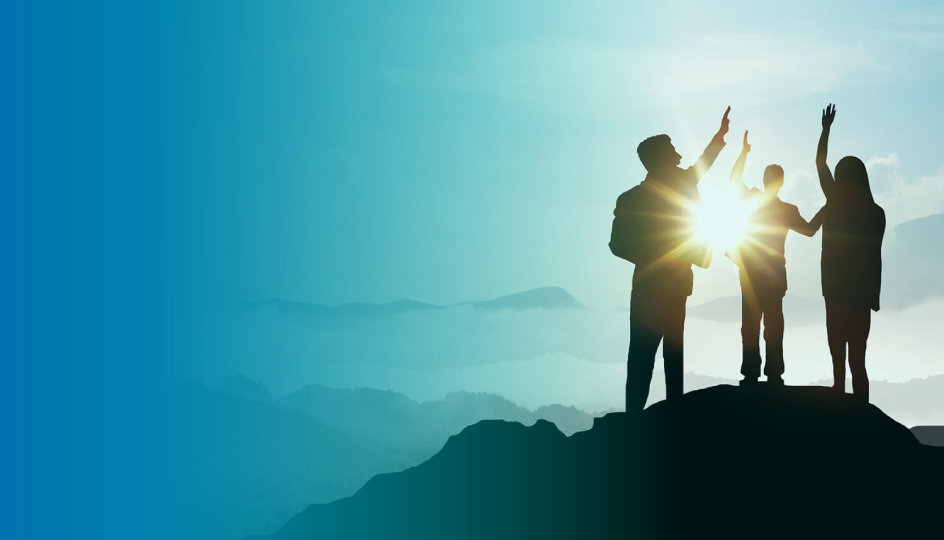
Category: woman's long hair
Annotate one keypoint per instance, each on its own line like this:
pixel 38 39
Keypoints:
pixel 852 239
pixel 852 183
pixel 851 200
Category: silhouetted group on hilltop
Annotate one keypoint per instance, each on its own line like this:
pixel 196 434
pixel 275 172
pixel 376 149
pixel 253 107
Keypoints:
pixel 655 228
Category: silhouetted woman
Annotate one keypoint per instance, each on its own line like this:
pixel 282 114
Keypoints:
pixel 851 263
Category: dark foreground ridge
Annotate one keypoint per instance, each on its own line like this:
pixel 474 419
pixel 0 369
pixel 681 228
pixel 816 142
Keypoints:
pixel 724 462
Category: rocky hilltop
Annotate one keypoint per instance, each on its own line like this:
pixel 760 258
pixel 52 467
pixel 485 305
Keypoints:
pixel 723 462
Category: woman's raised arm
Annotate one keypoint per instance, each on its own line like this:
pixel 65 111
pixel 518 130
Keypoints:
pixel 825 176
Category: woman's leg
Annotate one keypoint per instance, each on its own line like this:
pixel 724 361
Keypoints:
pixel 860 322
pixel 836 337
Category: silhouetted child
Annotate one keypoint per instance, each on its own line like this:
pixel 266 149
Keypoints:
pixel 852 261
pixel 762 267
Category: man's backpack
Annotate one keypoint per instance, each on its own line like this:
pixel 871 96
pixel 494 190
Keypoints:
pixel 646 228
pixel 628 232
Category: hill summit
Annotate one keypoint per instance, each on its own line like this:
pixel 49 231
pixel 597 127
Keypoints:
pixel 724 462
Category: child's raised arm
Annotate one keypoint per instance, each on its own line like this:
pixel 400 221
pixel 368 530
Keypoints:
pixel 805 228
pixel 737 173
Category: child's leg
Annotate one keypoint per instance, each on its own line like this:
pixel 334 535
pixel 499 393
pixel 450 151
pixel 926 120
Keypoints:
pixel 750 330
pixel 773 336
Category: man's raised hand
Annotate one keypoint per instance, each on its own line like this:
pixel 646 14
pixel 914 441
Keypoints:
pixel 747 146
pixel 829 114
pixel 724 122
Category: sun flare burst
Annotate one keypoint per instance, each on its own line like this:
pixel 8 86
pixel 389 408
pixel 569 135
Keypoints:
pixel 723 220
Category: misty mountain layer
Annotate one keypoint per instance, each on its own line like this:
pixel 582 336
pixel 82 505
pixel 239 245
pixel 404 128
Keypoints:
pixel 255 459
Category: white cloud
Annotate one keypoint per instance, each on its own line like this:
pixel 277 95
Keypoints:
pixel 921 38
pixel 902 199
pixel 802 189
pixel 565 75
pixel 927 16
pixel 923 27
pixel 753 68
pixel 905 201
pixel 888 161
pixel 585 77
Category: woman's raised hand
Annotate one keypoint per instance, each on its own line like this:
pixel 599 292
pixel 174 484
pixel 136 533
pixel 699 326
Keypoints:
pixel 829 114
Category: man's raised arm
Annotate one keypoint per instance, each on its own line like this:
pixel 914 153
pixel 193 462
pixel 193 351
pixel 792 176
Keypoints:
pixel 825 176
pixel 712 150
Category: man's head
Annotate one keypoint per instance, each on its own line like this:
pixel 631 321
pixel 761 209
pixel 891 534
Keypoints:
pixel 773 179
pixel 658 154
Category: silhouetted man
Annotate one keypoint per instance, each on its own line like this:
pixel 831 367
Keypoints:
pixel 653 228
pixel 762 268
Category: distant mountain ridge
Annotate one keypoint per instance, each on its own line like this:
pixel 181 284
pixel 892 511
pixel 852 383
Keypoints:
pixel 913 263
pixel 365 411
pixel 540 298
pixel 267 461
pixel 544 297
pixel 257 458
pixel 929 435
pixel 916 235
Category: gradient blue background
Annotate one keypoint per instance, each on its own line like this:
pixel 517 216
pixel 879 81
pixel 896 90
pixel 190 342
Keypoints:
pixel 155 160
pixel 84 274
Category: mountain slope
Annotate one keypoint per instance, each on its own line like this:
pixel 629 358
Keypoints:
pixel 723 461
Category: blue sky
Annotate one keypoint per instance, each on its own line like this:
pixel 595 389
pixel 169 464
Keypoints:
pixel 158 158
pixel 368 153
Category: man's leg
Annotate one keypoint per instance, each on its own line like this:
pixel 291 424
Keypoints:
pixel 643 343
pixel 750 330
pixel 859 326
pixel 773 336
pixel 672 347
pixel 672 325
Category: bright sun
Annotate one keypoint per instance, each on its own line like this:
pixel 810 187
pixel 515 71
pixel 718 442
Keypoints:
pixel 722 220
